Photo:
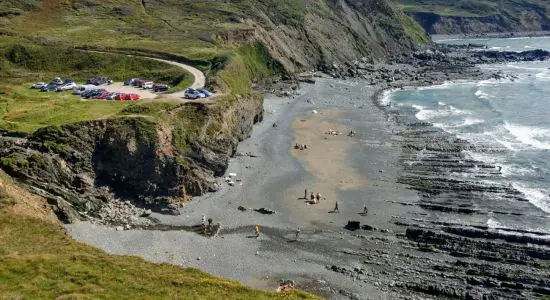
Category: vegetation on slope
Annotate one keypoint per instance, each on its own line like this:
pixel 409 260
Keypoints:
pixel 38 260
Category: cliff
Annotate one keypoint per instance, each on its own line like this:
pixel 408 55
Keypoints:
pixel 479 16
pixel 81 166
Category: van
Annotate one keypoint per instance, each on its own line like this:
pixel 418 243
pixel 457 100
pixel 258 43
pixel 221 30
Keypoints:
pixel 78 90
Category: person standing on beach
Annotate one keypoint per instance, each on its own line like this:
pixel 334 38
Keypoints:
pixel 305 194
pixel 203 221
pixel 257 231
pixel 336 208
pixel 297 233
pixel 312 197
pixel 365 209
pixel 318 197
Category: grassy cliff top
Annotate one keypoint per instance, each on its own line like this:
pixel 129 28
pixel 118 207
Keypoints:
pixel 39 261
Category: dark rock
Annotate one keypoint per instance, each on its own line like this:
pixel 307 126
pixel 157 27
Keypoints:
pixel 353 225
pixel 124 11
pixel 241 208
pixel 265 211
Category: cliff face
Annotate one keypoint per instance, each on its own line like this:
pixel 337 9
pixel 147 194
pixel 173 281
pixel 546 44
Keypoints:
pixel 339 31
pixel 479 16
pixel 81 166
pixel 437 24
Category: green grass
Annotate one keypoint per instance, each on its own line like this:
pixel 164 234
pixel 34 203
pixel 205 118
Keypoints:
pixel 38 261
pixel 24 109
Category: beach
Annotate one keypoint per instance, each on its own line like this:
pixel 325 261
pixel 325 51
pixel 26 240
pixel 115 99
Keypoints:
pixel 408 246
pixel 355 171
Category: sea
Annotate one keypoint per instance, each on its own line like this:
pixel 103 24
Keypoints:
pixel 509 122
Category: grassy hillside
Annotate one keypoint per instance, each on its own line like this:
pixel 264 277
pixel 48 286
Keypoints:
pixel 478 16
pixel 38 261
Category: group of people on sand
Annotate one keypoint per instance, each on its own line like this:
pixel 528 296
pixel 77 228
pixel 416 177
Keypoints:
pixel 300 146
pixel 207 228
pixel 314 198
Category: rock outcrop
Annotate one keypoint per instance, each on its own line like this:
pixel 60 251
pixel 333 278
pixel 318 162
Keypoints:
pixel 154 163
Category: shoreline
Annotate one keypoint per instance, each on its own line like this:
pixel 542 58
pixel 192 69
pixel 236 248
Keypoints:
pixel 371 263
pixel 261 262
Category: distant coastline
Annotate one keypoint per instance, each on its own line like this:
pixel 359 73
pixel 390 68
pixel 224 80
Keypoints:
pixel 493 35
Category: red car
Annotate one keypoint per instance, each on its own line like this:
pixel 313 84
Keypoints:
pixel 132 96
pixel 120 97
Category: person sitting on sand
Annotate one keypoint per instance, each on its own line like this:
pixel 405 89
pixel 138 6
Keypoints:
pixel 312 197
pixel 305 146
pixel 296 146
pixel 365 210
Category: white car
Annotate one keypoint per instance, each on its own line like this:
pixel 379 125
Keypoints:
pixel 148 85
pixel 66 87
pixel 39 85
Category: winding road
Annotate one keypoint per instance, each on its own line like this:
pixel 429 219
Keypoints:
pixel 198 82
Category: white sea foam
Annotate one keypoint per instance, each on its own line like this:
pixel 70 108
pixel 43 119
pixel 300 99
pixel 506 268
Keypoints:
pixel 441 103
pixel 385 98
pixel 424 113
pixel 508 170
pixel 482 95
pixel 528 135
pixel 538 197
pixel 492 223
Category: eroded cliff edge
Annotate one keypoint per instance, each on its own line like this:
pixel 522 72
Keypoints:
pixel 153 160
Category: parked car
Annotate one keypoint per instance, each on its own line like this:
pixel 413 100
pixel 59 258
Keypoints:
pixel 130 81
pixel 160 87
pixel 120 97
pixel 92 93
pixel 148 85
pixel 103 95
pixel 206 92
pixel 38 85
pixel 57 81
pixel 68 80
pixel 193 94
pixel 112 96
pixel 132 96
pixel 66 87
pixel 98 80
pixel 142 82
pixel 79 89
pixel 49 88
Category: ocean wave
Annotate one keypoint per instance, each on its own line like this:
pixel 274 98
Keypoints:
pixel 528 135
pixel 492 223
pixel 385 98
pixel 482 95
pixel 425 114
pixel 508 170
pixel 543 75
pixel 538 197
pixel 463 123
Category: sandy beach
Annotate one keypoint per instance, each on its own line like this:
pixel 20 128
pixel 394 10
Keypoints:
pixel 355 171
